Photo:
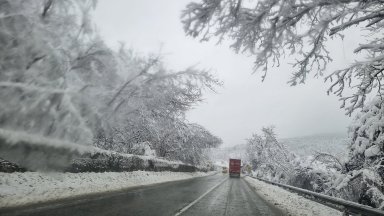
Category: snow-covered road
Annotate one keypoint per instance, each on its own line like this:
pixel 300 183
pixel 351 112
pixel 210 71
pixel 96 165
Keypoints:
pixel 210 195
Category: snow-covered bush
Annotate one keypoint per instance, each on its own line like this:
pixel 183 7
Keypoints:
pixel 363 186
pixel 313 174
pixel 105 161
pixel 194 145
pixel 363 177
pixel 359 179
pixel 269 158
pixel 9 167
pixel 143 148
pixel 367 138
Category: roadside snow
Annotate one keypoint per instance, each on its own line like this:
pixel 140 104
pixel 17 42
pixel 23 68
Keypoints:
pixel 33 187
pixel 290 203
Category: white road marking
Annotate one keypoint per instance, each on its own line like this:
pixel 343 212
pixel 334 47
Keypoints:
pixel 198 199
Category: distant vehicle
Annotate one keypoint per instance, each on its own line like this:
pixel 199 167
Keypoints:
pixel 234 167
pixel 225 170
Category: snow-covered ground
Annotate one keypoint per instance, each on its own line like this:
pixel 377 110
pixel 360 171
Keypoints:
pixel 290 203
pixel 33 187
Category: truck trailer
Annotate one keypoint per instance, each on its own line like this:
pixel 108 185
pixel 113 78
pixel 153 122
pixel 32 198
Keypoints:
pixel 234 167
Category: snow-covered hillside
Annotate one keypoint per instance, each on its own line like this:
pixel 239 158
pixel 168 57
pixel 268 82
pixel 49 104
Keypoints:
pixel 221 155
pixel 336 144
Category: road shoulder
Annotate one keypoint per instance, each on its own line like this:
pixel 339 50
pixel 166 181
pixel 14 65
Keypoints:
pixel 21 189
pixel 289 203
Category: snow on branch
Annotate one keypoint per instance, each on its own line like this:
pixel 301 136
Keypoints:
pixel 271 29
pixel 60 81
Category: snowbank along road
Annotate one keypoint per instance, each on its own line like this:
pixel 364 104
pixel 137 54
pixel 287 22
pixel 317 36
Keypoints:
pixel 211 195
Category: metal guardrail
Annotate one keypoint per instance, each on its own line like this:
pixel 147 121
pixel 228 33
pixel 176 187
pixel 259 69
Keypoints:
pixel 347 207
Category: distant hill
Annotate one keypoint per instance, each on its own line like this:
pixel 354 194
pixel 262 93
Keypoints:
pixel 335 144
pixel 221 155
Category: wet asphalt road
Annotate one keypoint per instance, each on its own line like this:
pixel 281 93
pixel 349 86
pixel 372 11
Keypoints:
pixel 232 197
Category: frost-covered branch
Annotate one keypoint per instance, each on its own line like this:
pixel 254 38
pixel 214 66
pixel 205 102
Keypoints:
pixel 269 156
pixel 327 159
pixel 268 29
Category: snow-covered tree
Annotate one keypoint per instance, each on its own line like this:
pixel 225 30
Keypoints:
pixel 48 56
pixel 270 29
pixel 273 29
pixel 363 176
pixel 368 138
pixel 150 106
pixel 268 157
pixel 59 80
pixel 195 143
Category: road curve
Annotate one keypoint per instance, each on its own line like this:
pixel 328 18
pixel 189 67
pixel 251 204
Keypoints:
pixel 232 197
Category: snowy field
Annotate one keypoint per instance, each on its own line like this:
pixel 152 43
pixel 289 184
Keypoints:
pixel 33 187
pixel 290 203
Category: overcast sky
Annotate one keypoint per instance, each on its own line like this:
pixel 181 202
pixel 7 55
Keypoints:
pixel 244 104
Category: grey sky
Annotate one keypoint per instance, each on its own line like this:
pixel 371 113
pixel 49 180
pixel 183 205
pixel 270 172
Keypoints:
pixel 244 104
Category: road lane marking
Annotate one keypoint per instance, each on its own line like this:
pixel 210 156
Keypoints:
pixel 228 196
pixel 198 199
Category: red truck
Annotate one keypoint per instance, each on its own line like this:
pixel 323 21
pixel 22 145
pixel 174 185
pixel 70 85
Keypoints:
pixel 234 167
